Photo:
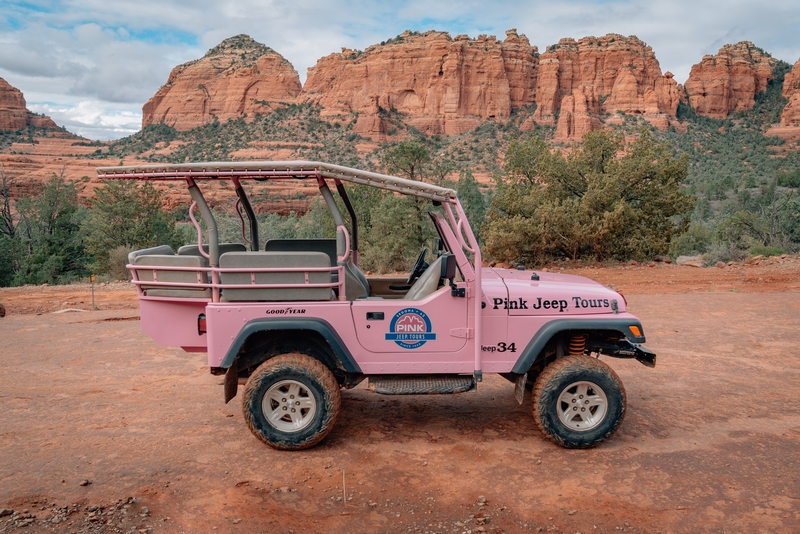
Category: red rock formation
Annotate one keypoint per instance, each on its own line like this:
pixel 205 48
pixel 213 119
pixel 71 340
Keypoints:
pixel 444 85
pixel 578 114
pixel 592 77
pixel 237 77
pixel 729 81
pixel 14 114
pixel 790 117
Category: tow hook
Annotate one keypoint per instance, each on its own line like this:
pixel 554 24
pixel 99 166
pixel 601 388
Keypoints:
pixel 627 349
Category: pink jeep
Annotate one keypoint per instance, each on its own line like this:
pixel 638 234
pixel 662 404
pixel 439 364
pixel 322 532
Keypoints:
pixel 296 320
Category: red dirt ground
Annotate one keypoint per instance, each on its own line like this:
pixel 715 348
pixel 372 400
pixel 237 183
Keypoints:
pixel 709 443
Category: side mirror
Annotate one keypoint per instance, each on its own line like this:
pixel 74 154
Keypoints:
pixel 448 266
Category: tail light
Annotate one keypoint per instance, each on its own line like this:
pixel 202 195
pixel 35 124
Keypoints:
pixel 201 324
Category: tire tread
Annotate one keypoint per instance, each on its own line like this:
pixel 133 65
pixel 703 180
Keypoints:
pixel 293 361
pixel 547 383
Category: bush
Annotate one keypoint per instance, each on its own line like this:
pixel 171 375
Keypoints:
pixel 766 251
pixel 590 203
pixel 117 260
pixel 696 240
pixel 127 214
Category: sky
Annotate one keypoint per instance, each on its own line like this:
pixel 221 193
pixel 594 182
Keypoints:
pixel 92 64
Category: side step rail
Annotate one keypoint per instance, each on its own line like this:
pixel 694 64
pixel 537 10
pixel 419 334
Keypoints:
pixel 421 385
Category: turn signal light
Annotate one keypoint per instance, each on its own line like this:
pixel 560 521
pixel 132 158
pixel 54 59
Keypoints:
pixel 635 330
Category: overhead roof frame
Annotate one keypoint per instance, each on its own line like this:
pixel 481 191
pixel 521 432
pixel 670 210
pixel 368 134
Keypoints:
pixel 275 170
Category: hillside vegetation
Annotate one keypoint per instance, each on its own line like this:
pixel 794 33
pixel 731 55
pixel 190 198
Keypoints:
pixel 726 190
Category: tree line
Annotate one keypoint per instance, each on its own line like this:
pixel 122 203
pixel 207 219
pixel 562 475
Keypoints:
pixel 606 199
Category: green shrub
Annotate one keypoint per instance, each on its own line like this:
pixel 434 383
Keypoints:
pixel 761 250
pixel 117 260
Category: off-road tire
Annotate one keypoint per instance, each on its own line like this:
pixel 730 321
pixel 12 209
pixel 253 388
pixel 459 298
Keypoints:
pixel 556 380
pixel 319 384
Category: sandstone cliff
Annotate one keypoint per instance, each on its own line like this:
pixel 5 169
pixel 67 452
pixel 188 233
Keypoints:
pixel 729 81
pixel 593 77
pixel 443 85
pixel 237 77
pixel 790 117
pixel 14 114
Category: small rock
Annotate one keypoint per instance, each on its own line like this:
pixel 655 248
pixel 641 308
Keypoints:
pixel 691 261
pixel 237 521
pixel 572 512
pixel 482 499
pixel 84 482
pixel 459 524
pixel 5 511
pixel 2 311
pixel 721 264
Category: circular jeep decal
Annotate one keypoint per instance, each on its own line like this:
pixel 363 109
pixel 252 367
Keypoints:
pixel 410 329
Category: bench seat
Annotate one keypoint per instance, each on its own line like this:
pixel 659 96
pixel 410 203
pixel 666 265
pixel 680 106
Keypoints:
pixel 275 260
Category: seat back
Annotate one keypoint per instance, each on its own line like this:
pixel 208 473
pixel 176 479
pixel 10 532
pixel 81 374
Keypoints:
pixel 428 282
pixel 186 277
pixel 328 246
pixel 356 284
pixel 194 250
pixel 275 260
pixel 164 250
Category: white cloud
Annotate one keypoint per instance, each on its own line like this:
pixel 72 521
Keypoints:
pixel 93 119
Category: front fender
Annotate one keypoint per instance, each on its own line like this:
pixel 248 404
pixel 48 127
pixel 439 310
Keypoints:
pixel 546 332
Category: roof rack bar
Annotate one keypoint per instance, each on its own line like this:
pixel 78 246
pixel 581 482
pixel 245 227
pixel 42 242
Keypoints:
pixel 277 169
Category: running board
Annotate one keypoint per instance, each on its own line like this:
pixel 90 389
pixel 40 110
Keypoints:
pixel 421 385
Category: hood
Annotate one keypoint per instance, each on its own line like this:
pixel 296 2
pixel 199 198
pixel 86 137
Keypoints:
pixel 554 294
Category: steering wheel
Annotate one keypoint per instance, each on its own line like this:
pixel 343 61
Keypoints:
pixel 419 267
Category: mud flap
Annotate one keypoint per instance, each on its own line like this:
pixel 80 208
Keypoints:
pixel 519 388
pixel 231 382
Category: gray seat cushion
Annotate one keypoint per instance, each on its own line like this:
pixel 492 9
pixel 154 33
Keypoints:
pixel 188 277
pixel 194 250
pixel 274 260
pixel 161 250
pixel 427 283
pixel 328 246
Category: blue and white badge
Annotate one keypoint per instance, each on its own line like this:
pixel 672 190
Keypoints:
pixel 410 329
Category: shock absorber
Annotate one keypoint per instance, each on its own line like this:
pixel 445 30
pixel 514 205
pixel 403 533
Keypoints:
pixel 577 344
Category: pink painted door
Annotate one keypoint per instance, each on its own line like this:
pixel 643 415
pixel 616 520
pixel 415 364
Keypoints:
pixel 437 323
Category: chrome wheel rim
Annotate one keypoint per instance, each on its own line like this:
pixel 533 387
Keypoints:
pixel 582 406
pixel 289 406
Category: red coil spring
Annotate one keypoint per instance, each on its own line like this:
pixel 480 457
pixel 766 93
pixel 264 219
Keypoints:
pixel 577 344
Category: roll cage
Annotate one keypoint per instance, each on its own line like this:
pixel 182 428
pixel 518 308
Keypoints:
pixel 453 227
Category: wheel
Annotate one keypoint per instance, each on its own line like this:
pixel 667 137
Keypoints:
pixel 291 402
pixel 578 401
pixel 419 267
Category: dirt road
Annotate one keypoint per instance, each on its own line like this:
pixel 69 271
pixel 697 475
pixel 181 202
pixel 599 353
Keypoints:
pixel 709 443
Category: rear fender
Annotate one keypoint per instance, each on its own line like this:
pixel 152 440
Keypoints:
pixel 239 356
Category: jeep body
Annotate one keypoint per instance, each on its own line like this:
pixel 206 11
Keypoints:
pixel 294 320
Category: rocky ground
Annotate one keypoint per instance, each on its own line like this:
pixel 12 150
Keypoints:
pixel 103 431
